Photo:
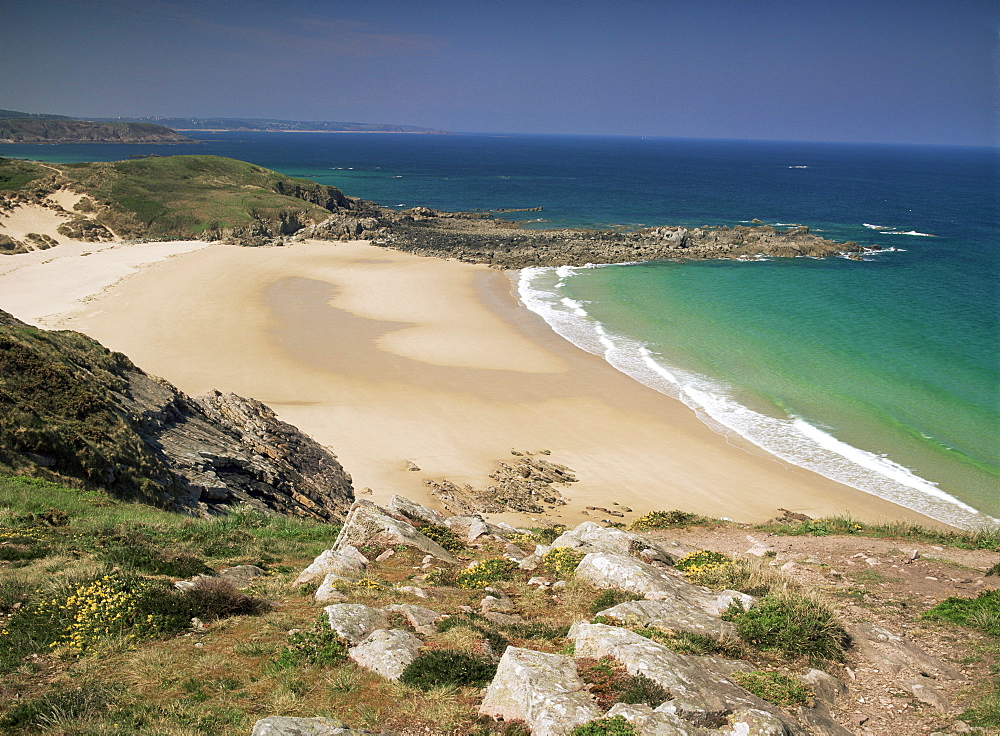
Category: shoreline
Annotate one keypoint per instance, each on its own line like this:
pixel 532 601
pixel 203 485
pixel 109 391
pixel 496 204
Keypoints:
pixel 437 363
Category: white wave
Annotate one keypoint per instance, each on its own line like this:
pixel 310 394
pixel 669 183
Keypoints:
pixel 876 227
pixel 798 167
pixel 786 224
pixel 789 438
pixel 911 232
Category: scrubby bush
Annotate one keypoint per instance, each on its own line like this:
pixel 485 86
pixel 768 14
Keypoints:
pixel 795 625
pixel 667 519
pixel 609 682
pixel 775 687
pixel 448 667
pixel 319 646
pixel 488 571
pixel 614 726
pixel 698 565
pixel 561 561
pixel 443 536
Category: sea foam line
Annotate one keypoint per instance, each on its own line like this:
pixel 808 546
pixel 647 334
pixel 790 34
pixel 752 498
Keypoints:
pixel 790 438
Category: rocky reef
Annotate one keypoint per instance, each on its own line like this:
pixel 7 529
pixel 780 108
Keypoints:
pixel 478 237
pixel 73 411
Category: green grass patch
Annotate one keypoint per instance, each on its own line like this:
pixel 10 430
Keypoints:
pixel 561 561
pixel 669 520
pixel 981 612
pixel 614 726
pixel 480 575
pixel 775 687
pixel 984 538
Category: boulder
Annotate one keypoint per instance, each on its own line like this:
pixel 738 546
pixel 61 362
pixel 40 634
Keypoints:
pixel 676 613
pixel 242 576
pixel 541 689
pixel 286 726
pixel 344 563
pixel 328 591
pixel 355 621
pixel 648 722
pixel 700 693
pixel 414 511
pixel 592 537
pixel 386 652
pixel 422 619
pixel 369 524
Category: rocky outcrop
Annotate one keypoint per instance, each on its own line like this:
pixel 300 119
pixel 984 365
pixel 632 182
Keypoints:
pixel 503 244
pixel 368 523
pixel 288 726
pixel 73 411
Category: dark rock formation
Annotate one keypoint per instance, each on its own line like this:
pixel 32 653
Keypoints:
pixel 73 411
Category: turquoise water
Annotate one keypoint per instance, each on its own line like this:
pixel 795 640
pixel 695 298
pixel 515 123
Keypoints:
pixel 882 374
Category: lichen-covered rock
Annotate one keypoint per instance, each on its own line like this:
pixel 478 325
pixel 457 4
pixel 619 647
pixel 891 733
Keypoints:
pixel 648 722
pixel 328 591
pixel 369 524
pixel 386 652
pixel 287 726
pixel 677 614
pixel 420 618
pixel 343 562
pixel 627 573
pixel 592 537
pixel 699 693
pixel 414 511
pixel 355 621
pixel 753 722
pixel 541 689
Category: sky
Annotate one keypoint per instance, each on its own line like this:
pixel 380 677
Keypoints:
pixel 888 71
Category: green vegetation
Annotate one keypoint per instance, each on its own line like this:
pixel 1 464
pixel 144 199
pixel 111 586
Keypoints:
pixel 985 538
pixel 609 682
pixel 614 726
pixel 795 625
pixel 611 597
pixel 49 130
pixel 15 174
pixel 981 612
pixel 443 536
pixel 488 571
pixel 669 520
pixel 775 687
pixel 561 561
pixel 318 645
pixel 699 565
pixel 447 667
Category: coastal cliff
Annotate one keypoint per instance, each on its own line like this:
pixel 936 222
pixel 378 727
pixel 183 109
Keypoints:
pixel 73 411
pixel 35 130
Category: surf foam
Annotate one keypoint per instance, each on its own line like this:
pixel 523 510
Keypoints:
pixel 790 438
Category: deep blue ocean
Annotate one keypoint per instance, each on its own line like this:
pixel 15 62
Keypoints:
pixel 882 374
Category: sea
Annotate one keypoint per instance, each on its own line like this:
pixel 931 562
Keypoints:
pixel 882 374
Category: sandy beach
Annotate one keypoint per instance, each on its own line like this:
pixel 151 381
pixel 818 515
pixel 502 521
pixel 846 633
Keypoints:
pixel 390 358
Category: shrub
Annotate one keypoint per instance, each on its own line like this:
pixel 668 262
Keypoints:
pixel 443 536
pixel 614 726
pixel 488 571
pixel 698 564
pixel 561 561
pixel 549 534
pixel 609 682
pixel 609 598
pixel 448 667
pixel 981 612
pixel 667 519
pixel 775 687
pixel 792 624
pixel 319 646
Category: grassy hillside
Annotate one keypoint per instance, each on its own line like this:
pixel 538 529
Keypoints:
pixel 163 197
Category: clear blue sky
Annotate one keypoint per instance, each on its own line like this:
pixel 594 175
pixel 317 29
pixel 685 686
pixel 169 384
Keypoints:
pixel 909 71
